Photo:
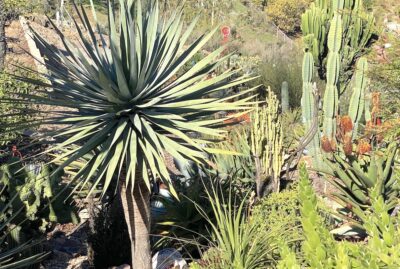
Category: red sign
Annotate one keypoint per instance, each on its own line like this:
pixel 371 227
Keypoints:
pixel 226 31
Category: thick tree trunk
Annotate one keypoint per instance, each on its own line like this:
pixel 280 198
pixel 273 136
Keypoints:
pixel 136 207
pixel 2 35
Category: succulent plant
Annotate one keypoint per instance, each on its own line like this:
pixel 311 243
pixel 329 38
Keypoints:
pixel 39 193
pixel 355 175
pixel 285 96
pixel 15 251
pixel 357 31
pixel 266 136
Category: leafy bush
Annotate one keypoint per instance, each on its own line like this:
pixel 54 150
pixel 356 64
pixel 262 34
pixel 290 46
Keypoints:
pixel 14 8
pixel 280 209
pixel 9 87
pixel 286 14
pixel 285 64
pixel 283 209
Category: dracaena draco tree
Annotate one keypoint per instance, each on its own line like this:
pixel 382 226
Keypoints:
pixel 122 99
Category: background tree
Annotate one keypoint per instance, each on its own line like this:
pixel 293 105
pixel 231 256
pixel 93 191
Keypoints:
pixel 286 14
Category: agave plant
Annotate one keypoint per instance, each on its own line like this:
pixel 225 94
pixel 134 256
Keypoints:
pixel 355 176
pixel 122 98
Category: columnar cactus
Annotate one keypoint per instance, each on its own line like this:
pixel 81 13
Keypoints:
pixel 314 27
pixel 307 101
pixel 357 30
pixel 308 108
pixel 285 96
pixel 266 143
pixel 331 98
pixel 357 100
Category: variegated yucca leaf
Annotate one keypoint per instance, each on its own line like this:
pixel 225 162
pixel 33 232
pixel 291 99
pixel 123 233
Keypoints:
pixel 124 99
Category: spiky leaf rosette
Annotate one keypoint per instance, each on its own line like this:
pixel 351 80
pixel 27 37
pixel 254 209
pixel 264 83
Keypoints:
pixel 124 99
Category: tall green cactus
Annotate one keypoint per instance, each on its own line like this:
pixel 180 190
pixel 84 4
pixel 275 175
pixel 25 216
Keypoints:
pixel 331 97
pixel 307 102
pixel 285 96
pixel 314 27
pixel 266 139
pixel 357 100
pixel 357 31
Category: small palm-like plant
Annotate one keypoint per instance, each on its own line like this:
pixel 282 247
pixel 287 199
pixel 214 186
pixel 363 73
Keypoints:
pixel 123 99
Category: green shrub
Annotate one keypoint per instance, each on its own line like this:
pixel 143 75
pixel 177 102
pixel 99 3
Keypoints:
pixel 321 250
pixel 14 8
pixel 286 14
pixel 280 209
pixel 283 209
pixel 284 64
pixel 9 88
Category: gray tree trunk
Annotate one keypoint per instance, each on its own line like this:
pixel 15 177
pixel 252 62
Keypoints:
pixel 2 34
pixel 136 206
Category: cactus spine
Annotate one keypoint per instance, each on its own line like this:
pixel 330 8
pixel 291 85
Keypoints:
pixel 285 96
pixel 266 143
pixel 357 100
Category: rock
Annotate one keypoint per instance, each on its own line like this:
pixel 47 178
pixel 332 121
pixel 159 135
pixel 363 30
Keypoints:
pixel 79 263
pixel 40 19
pixel 84 214
pixel 124 266
pixel 69 249
pixel 169 258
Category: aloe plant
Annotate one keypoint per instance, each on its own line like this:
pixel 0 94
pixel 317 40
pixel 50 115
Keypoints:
pixel 354 176
pixel 125 101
